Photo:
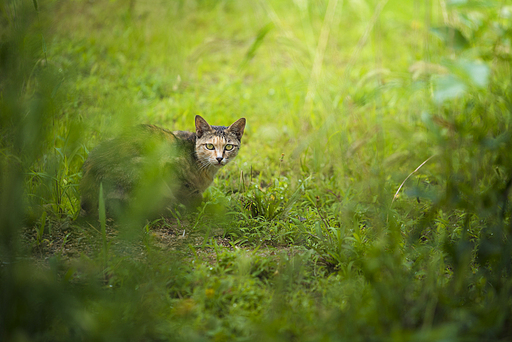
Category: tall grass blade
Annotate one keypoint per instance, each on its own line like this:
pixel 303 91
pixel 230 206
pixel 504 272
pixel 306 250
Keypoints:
pixel 251 52
pixel 103 223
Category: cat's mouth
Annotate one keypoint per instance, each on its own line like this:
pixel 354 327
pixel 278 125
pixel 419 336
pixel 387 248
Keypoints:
pixel 218 162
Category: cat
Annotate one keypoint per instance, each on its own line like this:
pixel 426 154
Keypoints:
pixel 150 170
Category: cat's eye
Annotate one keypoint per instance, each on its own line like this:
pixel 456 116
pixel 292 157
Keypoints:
pixel 229 147
pixel 209 147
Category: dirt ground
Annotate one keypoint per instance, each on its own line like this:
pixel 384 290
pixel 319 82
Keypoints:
pixel 72 240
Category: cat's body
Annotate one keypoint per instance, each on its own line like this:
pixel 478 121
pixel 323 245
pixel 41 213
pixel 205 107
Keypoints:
pixel 151 169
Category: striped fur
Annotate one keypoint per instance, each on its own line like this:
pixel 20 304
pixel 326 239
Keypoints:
pixel 150 169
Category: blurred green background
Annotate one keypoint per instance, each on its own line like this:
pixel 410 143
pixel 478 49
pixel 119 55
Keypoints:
pixel 369 201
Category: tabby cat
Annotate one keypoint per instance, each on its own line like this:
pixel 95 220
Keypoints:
pixel 151 169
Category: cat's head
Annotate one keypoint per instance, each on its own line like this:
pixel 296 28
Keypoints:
pixel 217 145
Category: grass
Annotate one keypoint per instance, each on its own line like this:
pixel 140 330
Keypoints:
pixel 370 199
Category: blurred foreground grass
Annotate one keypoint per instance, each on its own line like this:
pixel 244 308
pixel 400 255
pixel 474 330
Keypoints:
pixel 304 236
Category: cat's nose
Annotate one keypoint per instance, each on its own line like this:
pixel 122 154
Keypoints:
pixel 219 159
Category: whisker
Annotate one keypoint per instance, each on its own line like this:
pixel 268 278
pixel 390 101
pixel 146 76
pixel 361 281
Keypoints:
pixel 203 165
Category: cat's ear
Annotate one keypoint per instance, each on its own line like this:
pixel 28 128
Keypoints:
pixel 238 128
pixel 201 126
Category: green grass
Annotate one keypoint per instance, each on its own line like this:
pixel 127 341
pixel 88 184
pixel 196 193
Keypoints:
pixel 304 236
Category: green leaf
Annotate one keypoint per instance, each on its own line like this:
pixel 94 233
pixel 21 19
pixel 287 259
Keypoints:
pixel 464 74
pixel 257 42
pixel 448 87
pixel 456 2
pixel 477 72
pixel 452 37
pixel 472 4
